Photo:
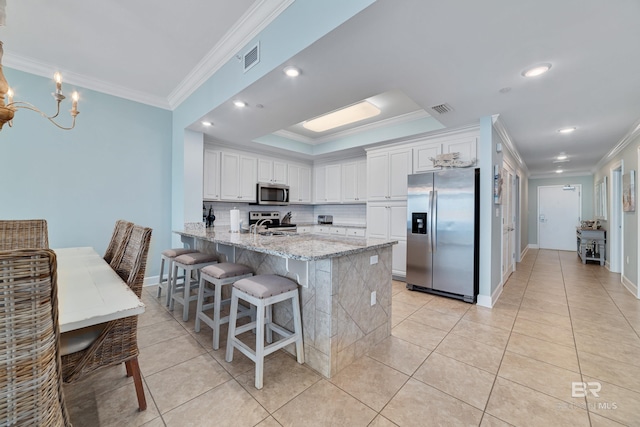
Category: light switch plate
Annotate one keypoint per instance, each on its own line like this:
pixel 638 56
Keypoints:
pixel 373 259
pixel 373 298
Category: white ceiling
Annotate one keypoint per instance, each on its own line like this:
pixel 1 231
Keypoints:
pixel 460 52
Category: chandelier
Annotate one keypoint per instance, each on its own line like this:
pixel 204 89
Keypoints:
pixel 8 109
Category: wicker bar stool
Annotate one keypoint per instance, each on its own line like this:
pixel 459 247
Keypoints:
pixel 263 291
pixel 212 280
pixel 168 256
pixel 181 292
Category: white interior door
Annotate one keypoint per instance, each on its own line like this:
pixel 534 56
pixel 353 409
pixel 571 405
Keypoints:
pixel 508 223
pixel 559 213
pixel 614 231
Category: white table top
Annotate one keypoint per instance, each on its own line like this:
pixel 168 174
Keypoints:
pixel 90 292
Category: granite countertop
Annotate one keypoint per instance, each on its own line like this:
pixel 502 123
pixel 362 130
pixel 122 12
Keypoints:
pixel 304 247
pixel 309 224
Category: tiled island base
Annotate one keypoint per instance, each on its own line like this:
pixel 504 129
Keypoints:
pixel 338 320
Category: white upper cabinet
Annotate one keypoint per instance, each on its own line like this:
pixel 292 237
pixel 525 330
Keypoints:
pixel 272 171
pixel 387 173
pixel 422 157
pixel 354 182
pixel 238 177
pixel 327 183
pixel 299 184
pixel 211 175
pixel 423 153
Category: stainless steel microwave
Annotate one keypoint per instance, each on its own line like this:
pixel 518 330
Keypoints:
pixel 272 194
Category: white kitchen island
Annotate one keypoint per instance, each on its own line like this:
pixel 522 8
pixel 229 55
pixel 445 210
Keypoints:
pixel 337 275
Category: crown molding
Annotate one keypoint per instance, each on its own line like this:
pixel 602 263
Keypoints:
pixel 629 137
pixel 261 14
pixel 391 121
pixel 248 27
pixel 501 129
pixel 29 65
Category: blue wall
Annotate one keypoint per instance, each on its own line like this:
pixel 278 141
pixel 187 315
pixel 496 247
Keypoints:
pixel 115 164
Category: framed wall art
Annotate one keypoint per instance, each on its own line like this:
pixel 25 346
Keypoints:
pixel 629 191
pixel 497 185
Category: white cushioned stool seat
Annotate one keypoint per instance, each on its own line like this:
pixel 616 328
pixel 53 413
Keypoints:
pixel 212 279
pixel 172 253
pixel 168 255
pixel 224 270
pixel 189 263
pixel 265 285
pixel 264 291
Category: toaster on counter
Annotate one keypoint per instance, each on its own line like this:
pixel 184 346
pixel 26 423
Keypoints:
pixel 325 219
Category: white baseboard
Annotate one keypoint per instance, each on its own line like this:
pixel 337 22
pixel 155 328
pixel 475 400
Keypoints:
pixel 524 252
pixel 631 287
pixel 151 280
pixel 533 246
pixel 489 301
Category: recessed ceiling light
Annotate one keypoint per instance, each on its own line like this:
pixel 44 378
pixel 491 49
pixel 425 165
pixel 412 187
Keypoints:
pixel 239 103
pixel 562 156
pixel 536 70
pixel 559 171
pixel 353 113
pixel 292 71
pixel 207 123
pixel 566 130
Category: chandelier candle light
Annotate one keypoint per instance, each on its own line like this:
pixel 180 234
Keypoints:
pixel 8 110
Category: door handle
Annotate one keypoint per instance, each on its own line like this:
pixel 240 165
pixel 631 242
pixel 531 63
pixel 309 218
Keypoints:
pixel 434 219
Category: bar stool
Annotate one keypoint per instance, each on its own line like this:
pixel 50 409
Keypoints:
pixel 169 255
pixel 218 275
pixel 263 291
pixel 182 292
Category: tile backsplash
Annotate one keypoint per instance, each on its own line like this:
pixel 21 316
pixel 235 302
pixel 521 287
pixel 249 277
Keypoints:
pixel 300 214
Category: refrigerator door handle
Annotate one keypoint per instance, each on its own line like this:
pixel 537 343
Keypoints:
pixel 434 221
pixel 430 220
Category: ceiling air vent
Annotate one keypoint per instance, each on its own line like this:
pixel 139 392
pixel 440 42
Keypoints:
pixel 442 108
pixel 251 57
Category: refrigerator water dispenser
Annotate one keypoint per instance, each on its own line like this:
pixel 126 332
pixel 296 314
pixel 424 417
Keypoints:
pixel 419 222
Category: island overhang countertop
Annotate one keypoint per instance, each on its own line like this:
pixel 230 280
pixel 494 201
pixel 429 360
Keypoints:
pixel 300 246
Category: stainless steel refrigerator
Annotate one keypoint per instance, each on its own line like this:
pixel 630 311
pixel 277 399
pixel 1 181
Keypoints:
pixel 443 233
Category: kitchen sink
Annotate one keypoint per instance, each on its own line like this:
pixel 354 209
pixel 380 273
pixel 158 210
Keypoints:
pixel 273 233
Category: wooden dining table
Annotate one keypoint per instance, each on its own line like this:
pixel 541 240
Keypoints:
pixel 90 292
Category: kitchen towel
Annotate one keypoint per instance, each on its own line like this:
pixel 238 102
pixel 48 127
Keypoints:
pixel 234 214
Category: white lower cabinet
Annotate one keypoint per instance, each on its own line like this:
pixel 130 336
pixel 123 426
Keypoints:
pixel 389 221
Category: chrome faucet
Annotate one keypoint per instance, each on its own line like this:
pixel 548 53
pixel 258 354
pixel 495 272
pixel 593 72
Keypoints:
pixel 258 224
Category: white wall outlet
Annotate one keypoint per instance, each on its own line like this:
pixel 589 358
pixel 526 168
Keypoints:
pixel 373 298
pixel 373 260
pixel 627 260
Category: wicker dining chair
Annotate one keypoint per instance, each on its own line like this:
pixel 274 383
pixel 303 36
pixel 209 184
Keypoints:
pixel 121 233
pixel 23 234
pixel 30 369
pixel 118 341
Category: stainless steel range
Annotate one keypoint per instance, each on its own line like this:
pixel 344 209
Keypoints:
pixel 271 220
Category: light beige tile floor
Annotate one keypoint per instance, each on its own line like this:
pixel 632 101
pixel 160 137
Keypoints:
pixel 446 363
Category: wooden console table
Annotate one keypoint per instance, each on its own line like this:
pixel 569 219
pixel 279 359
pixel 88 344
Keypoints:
pixel 596 252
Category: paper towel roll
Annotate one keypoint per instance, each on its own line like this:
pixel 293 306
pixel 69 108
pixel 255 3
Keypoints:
pixel 235 220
